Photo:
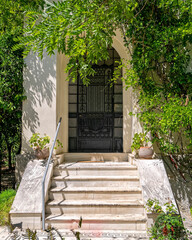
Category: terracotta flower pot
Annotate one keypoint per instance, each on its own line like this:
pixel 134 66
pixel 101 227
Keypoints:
pixel 42 154
pixel 145 152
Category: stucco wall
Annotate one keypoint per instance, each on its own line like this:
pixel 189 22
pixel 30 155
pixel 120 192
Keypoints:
pixel 39 109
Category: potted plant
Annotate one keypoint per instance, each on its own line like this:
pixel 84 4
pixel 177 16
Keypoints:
pixel 40 145
pixel 139 144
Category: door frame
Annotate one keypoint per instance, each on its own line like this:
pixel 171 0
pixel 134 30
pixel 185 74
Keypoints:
pixel 62 98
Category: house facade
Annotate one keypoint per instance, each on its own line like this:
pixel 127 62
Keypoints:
pixel 94 118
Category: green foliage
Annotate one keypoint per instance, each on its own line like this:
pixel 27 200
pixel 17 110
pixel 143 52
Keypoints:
pixel 38 142
pixel 153 206
pixel 12 14
pixel 139 140
pixel 59 144
pixel 160 59
pixel 11 92
pixel 6 195
pixel 32 235
pixel 6 200
pixel 82 30
pixel 50 230
pixel 11 76
pixel 168 224
pixel 157 35
pixel 169 121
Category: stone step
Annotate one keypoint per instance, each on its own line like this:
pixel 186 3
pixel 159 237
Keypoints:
pixel 98 221
pixel 104 234
pixel 97 165
pixel 80 207
pixel 106 168
pixel 95 193
pixel 95 181
pixel 99 192
pixel 75 157
pixel 130 237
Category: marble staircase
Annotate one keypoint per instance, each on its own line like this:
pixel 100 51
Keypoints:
pixel 105 194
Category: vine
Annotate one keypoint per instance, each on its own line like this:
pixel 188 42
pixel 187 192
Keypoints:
pixel 157 35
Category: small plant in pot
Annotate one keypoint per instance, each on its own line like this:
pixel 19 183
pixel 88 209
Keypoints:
pixel 40 145
pixel 139 144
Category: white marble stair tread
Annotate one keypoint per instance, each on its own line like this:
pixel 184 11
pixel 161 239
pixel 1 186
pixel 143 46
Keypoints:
pixel 79 177
pixel 90 165
pixel 111 237
pixel 106 234
pixel 97 189
pixel 105 231
pixel 101 217
pixel 96 203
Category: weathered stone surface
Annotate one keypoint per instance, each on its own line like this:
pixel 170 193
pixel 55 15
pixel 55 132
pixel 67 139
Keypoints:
pixel 28 197
pixel 70 235
pixel 21 163
pixel 4 233
pixel 182 191
pixel 156 184
pixel 154 181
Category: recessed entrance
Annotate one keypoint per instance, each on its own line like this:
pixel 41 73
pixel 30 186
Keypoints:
pixel 95 112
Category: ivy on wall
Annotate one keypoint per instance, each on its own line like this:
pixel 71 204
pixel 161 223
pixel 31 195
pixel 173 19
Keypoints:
pixel 158 36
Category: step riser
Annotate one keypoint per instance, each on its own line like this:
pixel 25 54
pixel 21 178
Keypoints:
pixel 99 225
pixel 102 183
pixel 74 157
pixel 80 210
pixel 96 172
pixel 95 183
pixel 95 196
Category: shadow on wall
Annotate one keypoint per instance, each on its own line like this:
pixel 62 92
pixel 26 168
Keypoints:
pixel 40 86
pixel 182 192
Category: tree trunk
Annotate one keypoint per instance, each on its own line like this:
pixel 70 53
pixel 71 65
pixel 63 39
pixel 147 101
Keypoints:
pixel 9 147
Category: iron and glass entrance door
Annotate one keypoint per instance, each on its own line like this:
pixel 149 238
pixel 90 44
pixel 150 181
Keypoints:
pixel 95 113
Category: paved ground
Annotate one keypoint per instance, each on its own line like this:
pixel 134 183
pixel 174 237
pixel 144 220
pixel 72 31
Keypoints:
pixel 4 234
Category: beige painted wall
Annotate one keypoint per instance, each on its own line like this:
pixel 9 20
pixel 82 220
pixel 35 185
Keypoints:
pixel 62 101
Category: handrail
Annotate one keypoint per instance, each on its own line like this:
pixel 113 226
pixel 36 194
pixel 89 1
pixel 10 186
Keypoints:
pixel 45 174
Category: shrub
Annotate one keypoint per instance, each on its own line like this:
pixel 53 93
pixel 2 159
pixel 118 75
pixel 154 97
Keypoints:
pixel 168 224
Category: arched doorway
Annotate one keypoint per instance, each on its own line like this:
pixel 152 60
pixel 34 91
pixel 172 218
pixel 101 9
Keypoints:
pixel 96 111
